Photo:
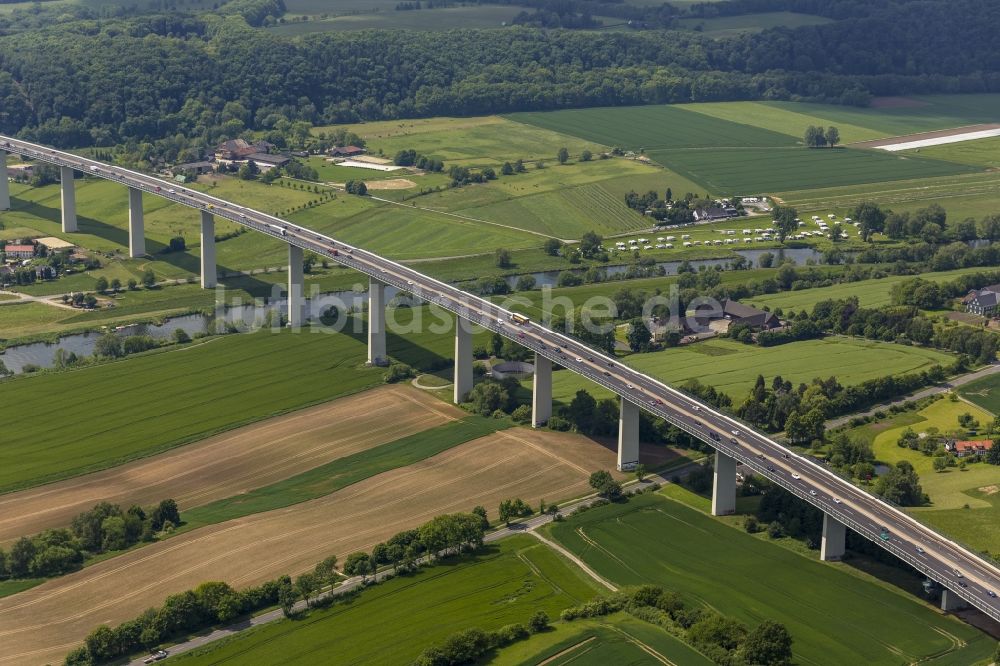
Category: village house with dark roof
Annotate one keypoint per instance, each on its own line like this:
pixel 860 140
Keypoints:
pixel 239 149
pixel 738 313
pixel 982 302
pixel 346 151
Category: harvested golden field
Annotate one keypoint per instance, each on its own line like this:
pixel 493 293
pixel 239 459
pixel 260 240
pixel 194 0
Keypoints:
pixel 233 462
pixel 41 624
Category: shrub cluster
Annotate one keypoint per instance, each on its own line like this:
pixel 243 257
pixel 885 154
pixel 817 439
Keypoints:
pixel 103 529
pixel 723 639
pixel 469 645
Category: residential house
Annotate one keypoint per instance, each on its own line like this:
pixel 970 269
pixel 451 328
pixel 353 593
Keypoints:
pixel 267 161
pixel 20 171
pixel 982 302
pixel 715 213
pixel 738 313
pixel 236 150
pixel 346 151
pixel 966 448
pixel 19 251
pixel 194 167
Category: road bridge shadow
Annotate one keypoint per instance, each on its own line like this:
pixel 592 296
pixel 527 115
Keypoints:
pixel 399 347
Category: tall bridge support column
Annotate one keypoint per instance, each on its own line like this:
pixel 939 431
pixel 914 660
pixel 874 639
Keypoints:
pixel 136 226
pixel 834 538
pixel 376 323
pixel 541 395
pixel 296 306
pixel 463 359
pixel 208 277
pixel 724 485
pixel 951 601
pixel 4 186
pixel 67 191
pixel 628 436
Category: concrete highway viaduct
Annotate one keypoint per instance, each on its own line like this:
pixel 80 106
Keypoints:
pixel 966 578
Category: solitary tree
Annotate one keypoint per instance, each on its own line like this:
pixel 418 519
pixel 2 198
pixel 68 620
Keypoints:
pixel 148 278
pixel 784 221
pixel 102 284
pixel 552 246
pixel 815 137
pixel 832 136
pixel 870 217
pixel 768 644
pixel 306 585
pixel 590 243
pixel 108 345
pixel 563 155
pixel 502 257
pixel 605 484
pixel 586 156
pixel 638 335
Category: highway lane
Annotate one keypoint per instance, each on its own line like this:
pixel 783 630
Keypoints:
pixel 940 558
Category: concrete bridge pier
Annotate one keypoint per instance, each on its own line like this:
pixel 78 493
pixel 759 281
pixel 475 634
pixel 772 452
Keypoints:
pixel 834 538
pixel 136 226
pixel 208 276
pixel 724 485
pixel 296 304
pixel 463 359
pixel 951 601
pixel 541 394
pixel 628 436
pixel 4 186
pixel 376 323
pixel 67 191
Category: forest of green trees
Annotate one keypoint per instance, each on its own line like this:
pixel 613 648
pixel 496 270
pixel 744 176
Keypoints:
pixel 125 78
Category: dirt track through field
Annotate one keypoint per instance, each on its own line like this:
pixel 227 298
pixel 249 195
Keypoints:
pixel 234 462
pixel 41 624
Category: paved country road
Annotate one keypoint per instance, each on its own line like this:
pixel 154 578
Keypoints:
pixel 944 387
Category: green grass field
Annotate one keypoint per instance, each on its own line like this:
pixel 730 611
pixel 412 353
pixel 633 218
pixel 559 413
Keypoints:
pixel 614 639
pixel 711 563
pixel 932 112
pixel 781 118
pixel 984 392
pixel 342 472
pixel 727 153
pixel 652 128
pixel 732 367
pixel 468 141
pixel 920 113
pixel 135 407
pixel 962 195
pixel 870 293
pixel 505 583
pixel 736 170
pixel 953 489
pixel 727 26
